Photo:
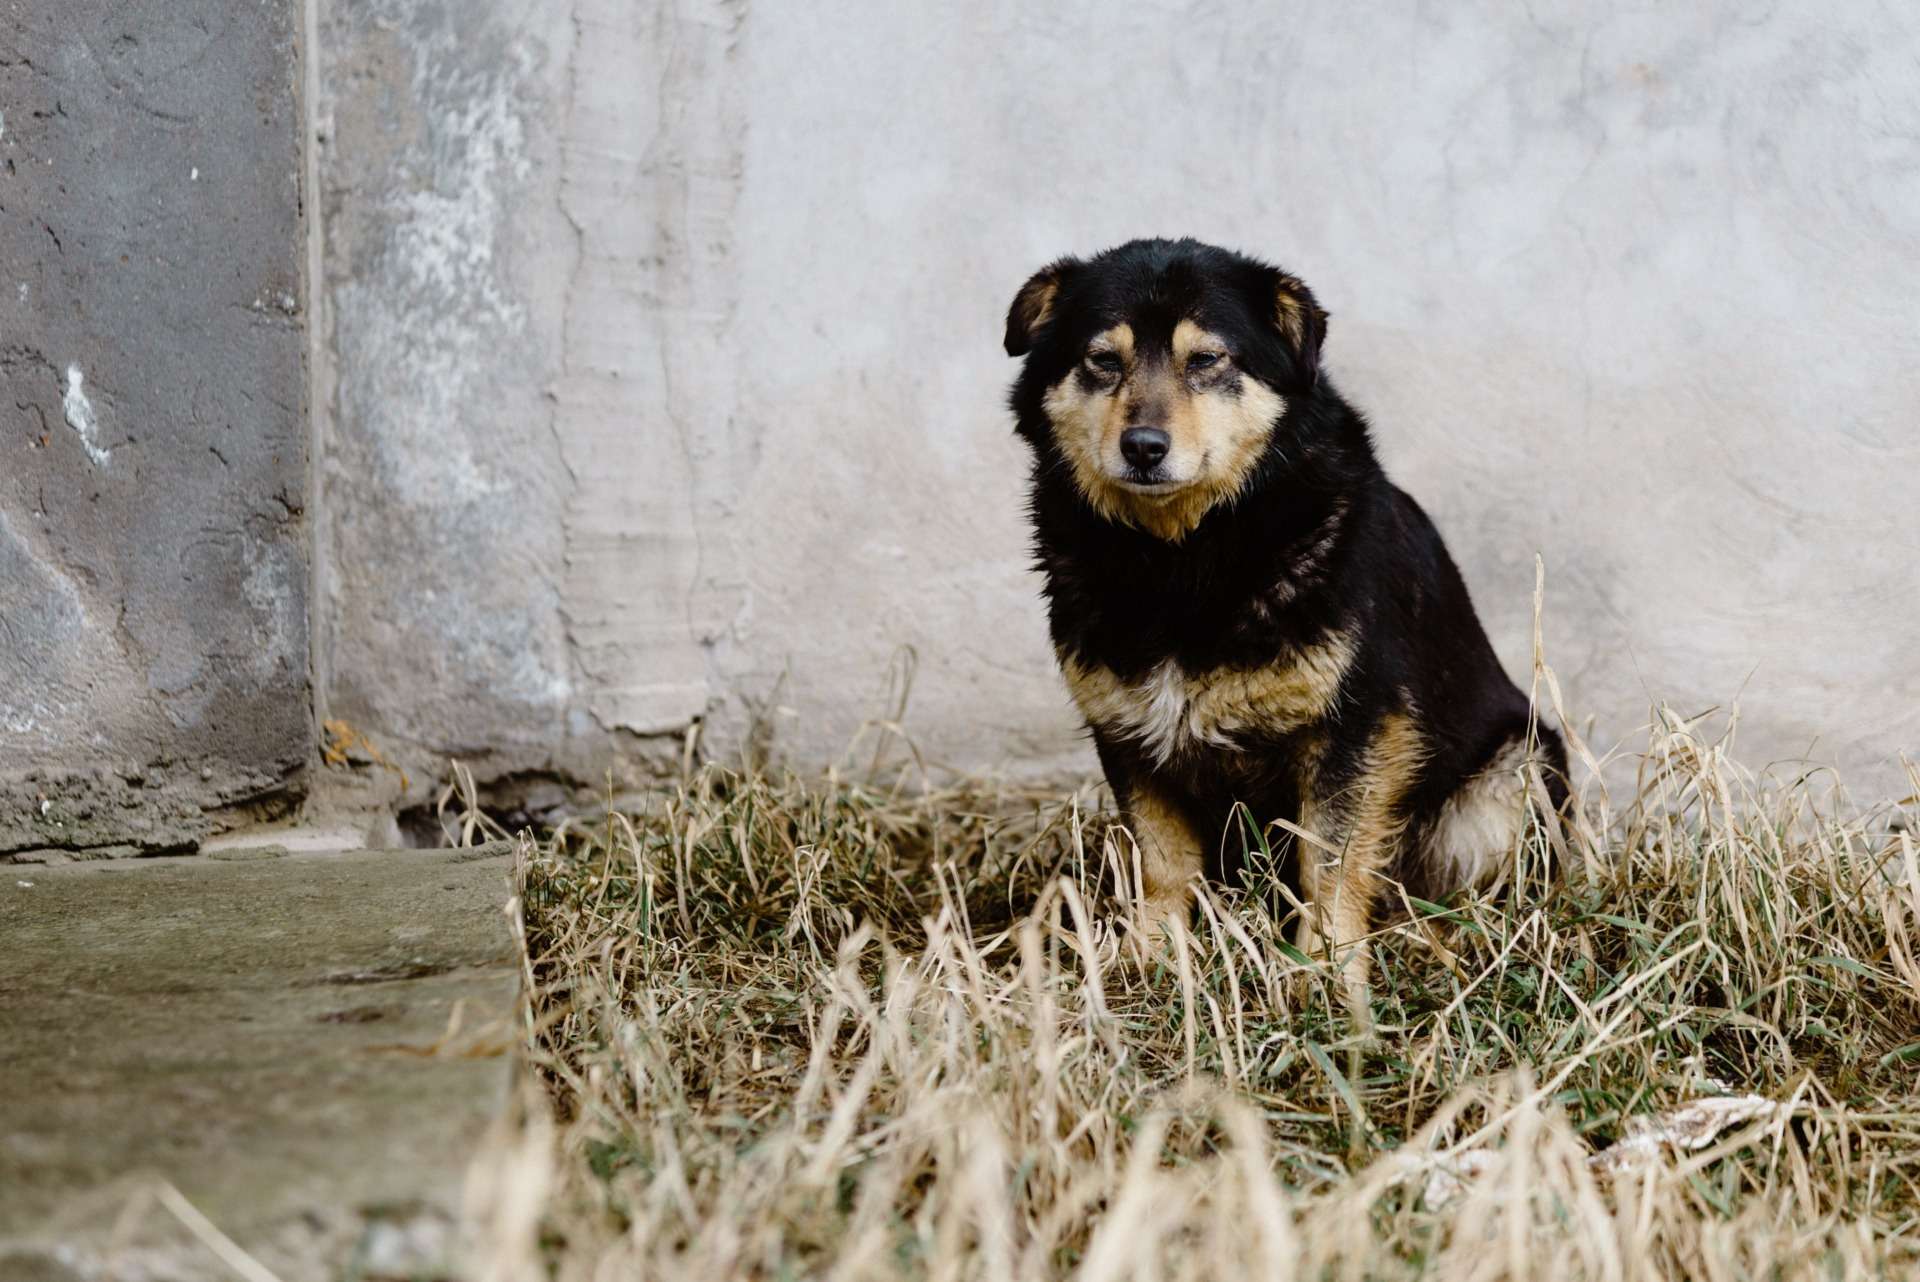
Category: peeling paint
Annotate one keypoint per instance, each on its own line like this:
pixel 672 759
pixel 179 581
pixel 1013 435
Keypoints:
pixel 53 652
pixel 444 252
pixel 81 418
pixel 271 592
pixel 438 336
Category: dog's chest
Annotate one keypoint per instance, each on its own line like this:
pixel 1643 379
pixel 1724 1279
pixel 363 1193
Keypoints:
pixel 1170 712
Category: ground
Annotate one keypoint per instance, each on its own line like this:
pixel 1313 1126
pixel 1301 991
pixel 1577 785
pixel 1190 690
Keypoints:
pixel 865 1027
pixel 858 1030
pixel 309 1048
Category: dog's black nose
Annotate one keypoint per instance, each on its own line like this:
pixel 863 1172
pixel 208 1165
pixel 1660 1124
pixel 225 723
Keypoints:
pixel 1144 447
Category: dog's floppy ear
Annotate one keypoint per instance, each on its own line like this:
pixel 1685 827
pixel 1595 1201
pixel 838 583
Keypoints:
pixel 1301 321
pixel 1032 309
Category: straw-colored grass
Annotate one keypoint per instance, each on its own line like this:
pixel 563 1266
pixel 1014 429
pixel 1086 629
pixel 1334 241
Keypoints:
pixel 799 1029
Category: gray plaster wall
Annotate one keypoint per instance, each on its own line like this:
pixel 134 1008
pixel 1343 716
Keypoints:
pixel 665 382
pixel 442 487
pixel 153 566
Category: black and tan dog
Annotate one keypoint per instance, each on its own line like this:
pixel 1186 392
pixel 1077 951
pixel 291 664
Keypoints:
pixel 1246 608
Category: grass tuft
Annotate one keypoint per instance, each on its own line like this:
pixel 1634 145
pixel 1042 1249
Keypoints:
pixel 799 1029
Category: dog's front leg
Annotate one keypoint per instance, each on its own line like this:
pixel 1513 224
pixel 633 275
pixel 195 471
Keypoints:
pixel 1170 853
pixel 1171 858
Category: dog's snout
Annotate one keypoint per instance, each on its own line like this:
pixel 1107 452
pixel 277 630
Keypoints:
pixel 1144 447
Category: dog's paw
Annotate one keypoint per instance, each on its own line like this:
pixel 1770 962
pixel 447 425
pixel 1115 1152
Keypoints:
pixel 1150 933
pixel 1304 984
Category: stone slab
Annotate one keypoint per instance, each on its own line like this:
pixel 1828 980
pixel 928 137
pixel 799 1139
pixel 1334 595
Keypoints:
pixel 267 1033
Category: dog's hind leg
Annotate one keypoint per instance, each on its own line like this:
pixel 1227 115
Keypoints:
pixel 1340 880
pixel 1359 825
pixel 1471 844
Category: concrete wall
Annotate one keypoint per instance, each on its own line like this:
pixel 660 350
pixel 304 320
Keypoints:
pixel 657 379
pixel 666 383
pixel 442 489
pixel 153 565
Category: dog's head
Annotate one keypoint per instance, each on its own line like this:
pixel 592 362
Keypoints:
pixel 1159 371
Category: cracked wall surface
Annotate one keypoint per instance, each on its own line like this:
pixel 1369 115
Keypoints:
pixel 668 382
pixel 441 562
pixel 153 565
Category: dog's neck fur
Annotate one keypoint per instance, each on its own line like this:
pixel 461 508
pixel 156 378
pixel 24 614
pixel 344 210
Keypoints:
pixel 1251 568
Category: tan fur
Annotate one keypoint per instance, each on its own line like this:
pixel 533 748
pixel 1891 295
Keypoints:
pixel 1188 337
pixel 1171 857
pixel 1216 434
pixel 1290 310
pixel 1363 825
pixel 1033 307
pixel 1172 710
pixel 1118 340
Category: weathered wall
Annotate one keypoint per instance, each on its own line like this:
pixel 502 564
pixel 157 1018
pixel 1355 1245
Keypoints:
pixel 153 569
pixel 668 385
pixel 441 483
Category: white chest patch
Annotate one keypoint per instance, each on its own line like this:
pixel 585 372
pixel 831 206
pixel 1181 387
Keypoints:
pixel 1170 711
pixel 1165 714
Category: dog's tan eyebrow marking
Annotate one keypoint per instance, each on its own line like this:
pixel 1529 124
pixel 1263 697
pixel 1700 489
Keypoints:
pixel 1188 338
pixel 1118 340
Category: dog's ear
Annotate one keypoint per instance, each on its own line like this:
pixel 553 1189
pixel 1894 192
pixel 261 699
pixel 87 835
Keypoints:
pixel 1032 309
pixel 1301 321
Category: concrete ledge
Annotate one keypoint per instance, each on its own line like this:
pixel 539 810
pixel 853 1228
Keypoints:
pixel 309 1047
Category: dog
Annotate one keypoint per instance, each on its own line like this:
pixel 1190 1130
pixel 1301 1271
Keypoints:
pixel 1246 610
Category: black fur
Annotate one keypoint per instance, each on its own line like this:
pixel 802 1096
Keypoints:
pixel 1317 539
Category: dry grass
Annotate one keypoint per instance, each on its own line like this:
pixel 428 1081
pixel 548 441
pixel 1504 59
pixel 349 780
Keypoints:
pixel 828 1030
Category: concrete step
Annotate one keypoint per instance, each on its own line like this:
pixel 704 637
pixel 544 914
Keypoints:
pixel 309 1047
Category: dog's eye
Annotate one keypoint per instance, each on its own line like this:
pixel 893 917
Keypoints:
pixel 1205 360
pixel 1103 362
